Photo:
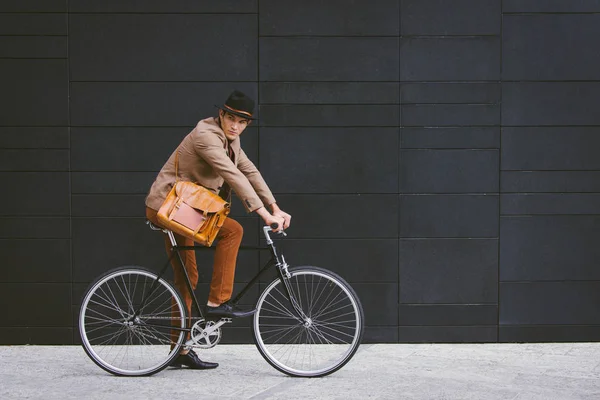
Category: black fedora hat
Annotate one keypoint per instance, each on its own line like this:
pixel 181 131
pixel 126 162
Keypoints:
pixel 238 104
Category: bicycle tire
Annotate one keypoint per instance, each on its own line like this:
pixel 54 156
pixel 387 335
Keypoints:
pixel 328 339
pixel 143 345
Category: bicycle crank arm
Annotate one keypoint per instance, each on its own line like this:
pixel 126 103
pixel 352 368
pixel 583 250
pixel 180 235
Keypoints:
pixel 207 332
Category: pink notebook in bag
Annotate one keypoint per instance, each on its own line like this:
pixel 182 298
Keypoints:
pixel 188 217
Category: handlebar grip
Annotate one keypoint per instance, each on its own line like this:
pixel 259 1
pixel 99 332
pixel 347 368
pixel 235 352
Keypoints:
pixel 274 225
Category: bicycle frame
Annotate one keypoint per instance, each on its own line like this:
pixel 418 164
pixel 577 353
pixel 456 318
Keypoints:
pixel 276 260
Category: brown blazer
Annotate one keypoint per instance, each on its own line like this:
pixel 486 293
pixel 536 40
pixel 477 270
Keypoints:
pixel 203 159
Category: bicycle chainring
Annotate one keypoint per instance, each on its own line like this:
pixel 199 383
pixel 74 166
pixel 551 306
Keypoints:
pixel 204 335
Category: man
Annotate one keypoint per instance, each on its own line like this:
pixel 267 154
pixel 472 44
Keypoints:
pixel 211 156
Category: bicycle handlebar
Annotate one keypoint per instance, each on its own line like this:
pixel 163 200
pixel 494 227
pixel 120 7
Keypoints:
pixel 271 228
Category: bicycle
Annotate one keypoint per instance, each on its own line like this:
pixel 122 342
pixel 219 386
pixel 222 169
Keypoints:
pixel 308 323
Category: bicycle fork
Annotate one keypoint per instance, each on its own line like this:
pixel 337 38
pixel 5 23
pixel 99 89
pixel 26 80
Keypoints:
pixel 284 276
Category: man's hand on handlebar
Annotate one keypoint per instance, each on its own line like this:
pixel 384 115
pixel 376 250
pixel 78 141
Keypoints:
pixel 271 219
pixel 276 223
pixel 287 218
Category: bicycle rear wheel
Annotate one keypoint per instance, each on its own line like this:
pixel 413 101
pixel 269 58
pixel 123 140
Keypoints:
pixel 319 342
pixel 126 322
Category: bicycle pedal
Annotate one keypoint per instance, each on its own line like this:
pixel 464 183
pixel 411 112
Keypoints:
pixel 217 319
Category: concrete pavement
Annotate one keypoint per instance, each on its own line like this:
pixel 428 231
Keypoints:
pixel 556 371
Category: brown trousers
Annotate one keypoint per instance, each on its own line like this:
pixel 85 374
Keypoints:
pixel 229 239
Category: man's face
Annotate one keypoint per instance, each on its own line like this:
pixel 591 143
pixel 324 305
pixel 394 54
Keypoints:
pixel 232 125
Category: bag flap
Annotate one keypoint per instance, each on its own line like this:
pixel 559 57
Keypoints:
pixel 199 197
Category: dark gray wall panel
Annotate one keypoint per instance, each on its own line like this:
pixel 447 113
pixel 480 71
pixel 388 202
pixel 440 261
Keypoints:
pixel 554 303
pixel 549 6
pixel 112 182
pixel 34 6
pixel 237 335
pixel 35 260
pixel 550 103
pixel 102 244
pixel 337 17
pixel 451 138
pixel 550 181
pixel 149 104
pixel 380 334
pixel 33 24
pixel 550 148
pixel 33 47
pixel 459 17
pixel 35 92
pixel 447 334
pixel 316 164
pixel 328 59
pixel 172 47
pixel 442 59
pixel 549 248
pixel 47 304
pixel 329 93
pixel 35 193
pixel 450 114
pixel 86 205
pixel 372 296
pixel 34 160
pixel 160 6
pixel 448 171
pixel 548 333
pixel 356 260
pixel 37 336
pixel 330 115
pixel 342 216
pixel 564 203
pixel 34 138
pixel 384 121
pixel 435 93
pixel 34 228
pixel 448 271
pixel 463 216
pixel 446 314
pixel 531 43
pixel 123 149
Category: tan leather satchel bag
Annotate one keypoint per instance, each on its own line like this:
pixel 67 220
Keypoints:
pixel 193 211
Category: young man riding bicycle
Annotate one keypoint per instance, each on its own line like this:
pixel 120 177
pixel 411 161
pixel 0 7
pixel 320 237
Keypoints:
pixel 211 156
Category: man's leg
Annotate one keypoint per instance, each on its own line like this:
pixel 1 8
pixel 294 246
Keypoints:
pixel 189 259
pixel 229 240
pixel 186 358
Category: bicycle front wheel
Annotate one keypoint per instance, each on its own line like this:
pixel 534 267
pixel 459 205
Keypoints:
pixel 321 338
pixel 131 322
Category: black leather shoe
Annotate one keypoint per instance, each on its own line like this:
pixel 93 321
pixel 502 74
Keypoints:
pixel 192 361
pixel 227 310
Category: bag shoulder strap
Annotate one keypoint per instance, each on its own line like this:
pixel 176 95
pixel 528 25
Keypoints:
pixel 176 165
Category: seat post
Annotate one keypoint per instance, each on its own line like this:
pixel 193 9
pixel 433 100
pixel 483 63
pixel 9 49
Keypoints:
pixel 168 232
pixel 171 237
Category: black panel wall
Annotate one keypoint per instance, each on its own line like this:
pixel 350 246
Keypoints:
pixel 440 155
